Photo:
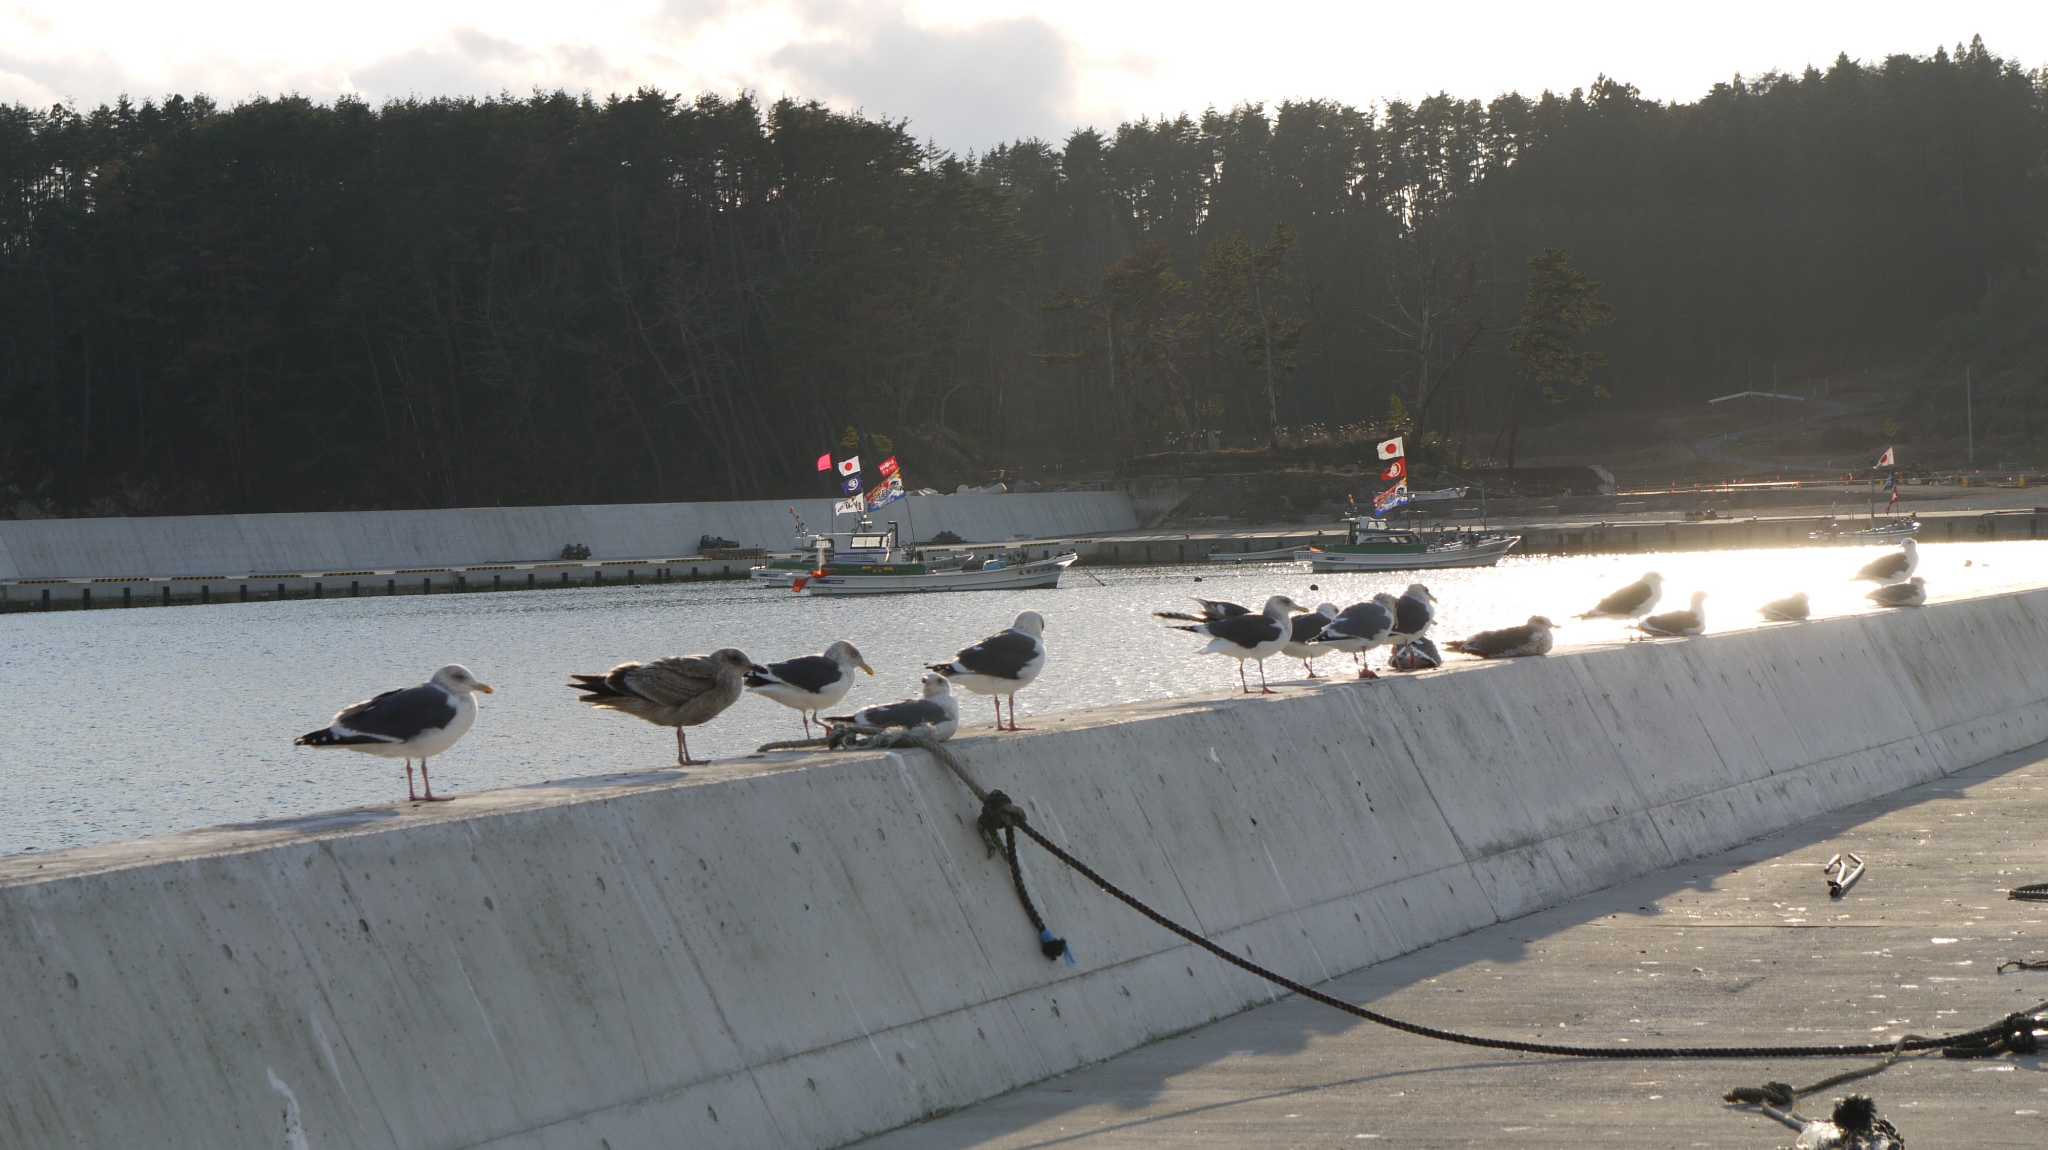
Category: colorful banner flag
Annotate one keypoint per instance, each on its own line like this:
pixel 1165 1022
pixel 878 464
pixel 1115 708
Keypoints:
pixel 1886 459
pixel 850 465
pixel 850 485
pixel 886 492
pixel 888 467
pixel 1891 484
pixel 1392 497
pixel 853 506
pixel 1398 469
pixel 825 462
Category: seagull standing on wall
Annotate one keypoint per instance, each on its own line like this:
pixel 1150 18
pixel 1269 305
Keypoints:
pixel 1304 640
pixel 1250 637
pixel 1002 664
pixel 1896 567
pixel 1631 602
pixel 1361 627
pixel 809 683
pixel 1414 611
pixel 409 723
pixel 680 691
pixel 1790 609
pixel 1676 623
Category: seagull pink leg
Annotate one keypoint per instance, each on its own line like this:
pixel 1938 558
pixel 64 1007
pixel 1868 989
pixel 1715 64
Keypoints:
pixel 1263 688
pixel 409 795
pixel 427 785
pixel 1013 713
pixel 1241 680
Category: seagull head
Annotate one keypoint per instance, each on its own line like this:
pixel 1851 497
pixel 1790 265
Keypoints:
pixel 1909 547
pixel 1418 591
pixel 1698 597
pixel 1541 622
pixel 1283 606
pixel 1916 581
pixel 1030 623
pixel 456 680
pixel 936 686
pixel 1327 610
pixel 1385 600
pixel 847 655
pixel 734 660
pixel 1653 579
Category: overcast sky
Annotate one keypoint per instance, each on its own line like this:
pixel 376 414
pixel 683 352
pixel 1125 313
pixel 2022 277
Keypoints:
pixel 967 73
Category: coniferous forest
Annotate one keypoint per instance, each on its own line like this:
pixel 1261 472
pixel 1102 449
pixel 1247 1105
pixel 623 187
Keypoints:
pixel 290 305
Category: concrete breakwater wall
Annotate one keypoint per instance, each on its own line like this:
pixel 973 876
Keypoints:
pixel 184 554
pixel 799 950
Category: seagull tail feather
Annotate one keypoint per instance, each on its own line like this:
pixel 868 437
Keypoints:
pixel 1457 645
pixel 1180 615
pixel 596 685
pixel 325 737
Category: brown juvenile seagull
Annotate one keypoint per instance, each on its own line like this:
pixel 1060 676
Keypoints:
pixel 680 691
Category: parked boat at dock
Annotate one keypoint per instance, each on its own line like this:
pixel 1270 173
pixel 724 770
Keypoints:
pixel 872 561
pixel 1381 549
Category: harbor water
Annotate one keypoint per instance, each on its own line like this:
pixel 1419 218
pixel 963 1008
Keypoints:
pixel 122 724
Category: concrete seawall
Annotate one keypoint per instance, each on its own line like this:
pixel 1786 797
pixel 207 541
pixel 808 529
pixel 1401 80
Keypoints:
pixel 802 950
pixel 184 554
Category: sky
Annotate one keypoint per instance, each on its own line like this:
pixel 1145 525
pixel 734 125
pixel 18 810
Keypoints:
pixel 967 73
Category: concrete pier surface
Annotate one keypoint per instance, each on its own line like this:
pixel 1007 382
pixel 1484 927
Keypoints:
pixel 805 949
pixel 1740 948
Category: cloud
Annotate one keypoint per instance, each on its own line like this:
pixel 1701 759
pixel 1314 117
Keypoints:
pixel 965 88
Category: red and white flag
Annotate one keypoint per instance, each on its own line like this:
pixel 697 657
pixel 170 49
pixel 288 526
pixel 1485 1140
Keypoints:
pixel 1398 469
pixel 1392 449
pixel 888 467
pixel 825 462
pixel 850 465
pixel 1886 459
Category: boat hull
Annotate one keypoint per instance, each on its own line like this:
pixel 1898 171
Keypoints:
pixel 1276 555
pixel 1039 573
pixel 1483 554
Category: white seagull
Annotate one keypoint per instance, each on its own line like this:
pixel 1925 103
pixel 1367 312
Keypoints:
pixel 1304 640
pixel 1361 627
pixel 1414 611
pixel 409 723
pixel 936 714
pixel 1254 637
pixel 1673 623
pixel 1002 664
pixel 1897 567
pixel 809 683
pixel 1531 638
pixel 1911 593
pixel 1631 602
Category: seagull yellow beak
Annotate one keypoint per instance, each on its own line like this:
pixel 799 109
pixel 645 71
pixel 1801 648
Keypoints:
pixel 486 688
pixel 868 669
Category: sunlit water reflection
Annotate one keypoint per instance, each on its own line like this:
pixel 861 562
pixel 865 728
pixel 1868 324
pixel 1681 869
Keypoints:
pixel 126 723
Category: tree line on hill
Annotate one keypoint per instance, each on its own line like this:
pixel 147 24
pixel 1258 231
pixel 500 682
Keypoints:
pixel 291 305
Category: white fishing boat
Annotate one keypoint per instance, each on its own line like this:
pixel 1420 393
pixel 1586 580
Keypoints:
pixel 874 561
pixel 1373 548
pixel 1886 531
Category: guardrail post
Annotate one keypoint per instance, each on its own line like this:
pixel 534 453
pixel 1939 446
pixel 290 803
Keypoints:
pixel 85 599
pixel 167 594
pixel 46 598
pixel 127 596
pixel 426 584
pixel 245 592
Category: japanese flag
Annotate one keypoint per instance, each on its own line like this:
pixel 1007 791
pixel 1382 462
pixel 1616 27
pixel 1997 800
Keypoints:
pixel 1392 449
pixel 850 465
pixel 1886 459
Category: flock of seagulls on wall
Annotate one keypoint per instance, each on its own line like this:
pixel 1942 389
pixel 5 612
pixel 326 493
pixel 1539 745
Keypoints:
pixel 419 722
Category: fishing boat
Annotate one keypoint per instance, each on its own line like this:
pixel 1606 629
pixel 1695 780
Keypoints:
pixel 1887 531
pixel 1374 548
pixel 873 561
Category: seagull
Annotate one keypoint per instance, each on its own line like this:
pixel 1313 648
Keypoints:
pixel 1791 609
pixel 1631 602
pixel 1002 664
pixel 1304 641
pixel 1417 655
pixel 1413 613
pixel 1531 638
pixel 809 683
pixel 409 723
pixel 935 715
pixel 1255 637
pixel 1896 567
pixel 679 691
pixel 1361 627
pixel 1690 622
pixel 1911 593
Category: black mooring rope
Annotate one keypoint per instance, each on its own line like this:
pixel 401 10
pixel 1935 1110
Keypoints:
pixel 2032 892
pixel 2014 1032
